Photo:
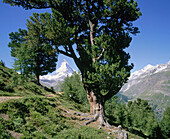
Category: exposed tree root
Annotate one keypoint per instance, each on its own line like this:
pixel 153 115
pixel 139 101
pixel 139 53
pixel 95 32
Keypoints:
pixel 92 119
pixel 80 114
pixel 103 121
pixel 99 117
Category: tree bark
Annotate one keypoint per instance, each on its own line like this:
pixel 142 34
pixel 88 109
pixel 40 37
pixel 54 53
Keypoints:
pixel 37 79
pixel 97 109
pixel 92 101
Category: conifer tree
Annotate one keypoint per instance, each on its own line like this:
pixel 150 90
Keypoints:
pixel 73 88
pixel 100 31
pixel 32 55
pixel 165 123
pixel 43 53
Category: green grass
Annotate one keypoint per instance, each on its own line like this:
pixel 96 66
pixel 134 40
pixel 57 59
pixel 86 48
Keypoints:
pixel 40 117
pixel 83 132
pixel 70 104
pixel 14 84
pixel 34 117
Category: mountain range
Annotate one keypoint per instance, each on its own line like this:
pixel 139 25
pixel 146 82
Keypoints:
pixel 148 73
pixel 151 83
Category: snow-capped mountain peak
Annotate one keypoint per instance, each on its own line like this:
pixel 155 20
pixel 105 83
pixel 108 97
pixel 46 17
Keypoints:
pixel 148 67
pixel 149 70
pixel 64 67
pixel 60 74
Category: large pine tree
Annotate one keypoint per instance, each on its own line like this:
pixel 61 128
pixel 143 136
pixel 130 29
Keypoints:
pixel 100 31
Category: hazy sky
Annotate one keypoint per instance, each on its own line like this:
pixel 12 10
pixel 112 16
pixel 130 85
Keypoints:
pixel 150 46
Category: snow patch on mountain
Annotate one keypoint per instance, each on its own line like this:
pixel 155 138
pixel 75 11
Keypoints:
pixel 61 73
pixel 65 68
pixel 149 70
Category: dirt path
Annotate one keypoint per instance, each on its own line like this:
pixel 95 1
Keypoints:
pixel 6 98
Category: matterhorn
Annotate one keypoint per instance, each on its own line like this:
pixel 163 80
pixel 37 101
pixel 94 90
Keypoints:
pixel 60 74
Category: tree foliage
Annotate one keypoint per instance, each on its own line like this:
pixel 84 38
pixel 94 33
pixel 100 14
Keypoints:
pixel 137 116
pixel 2 63
pixel 165 123
pixel 73 88
pixel 32 55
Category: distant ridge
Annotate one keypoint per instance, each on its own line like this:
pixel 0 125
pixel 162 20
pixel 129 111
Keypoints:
pixel 147 71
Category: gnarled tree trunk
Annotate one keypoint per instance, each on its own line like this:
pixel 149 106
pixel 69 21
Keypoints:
pixel 92 101
pixel 97 109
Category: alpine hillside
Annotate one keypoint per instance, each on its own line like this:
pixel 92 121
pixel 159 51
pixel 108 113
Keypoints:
pixel 151 83
pixel 62 72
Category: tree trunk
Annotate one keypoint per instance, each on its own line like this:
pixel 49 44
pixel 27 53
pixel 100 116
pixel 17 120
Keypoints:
pixel 101 112
pixel 92 101
pixel 37 79
pixel 97 109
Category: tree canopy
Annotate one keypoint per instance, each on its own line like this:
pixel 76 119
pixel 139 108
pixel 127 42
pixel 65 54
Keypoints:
pixel 165 123
pixel 137 117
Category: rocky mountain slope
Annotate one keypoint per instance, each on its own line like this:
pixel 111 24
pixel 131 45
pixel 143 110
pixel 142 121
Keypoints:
pixel 53 80
pixel 150 83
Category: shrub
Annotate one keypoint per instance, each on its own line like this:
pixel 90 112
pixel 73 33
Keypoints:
pixel 3 133
pixel 34 117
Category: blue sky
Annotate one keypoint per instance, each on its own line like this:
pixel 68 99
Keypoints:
pixel 150 46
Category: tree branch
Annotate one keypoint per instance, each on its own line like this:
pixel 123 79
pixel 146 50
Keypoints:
pixel 91 36
pixel 64 53
pixel 76 60
pixel 72 52
pixel 98 58
pixel 91 33
pixel 110 94
pixel 27 4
